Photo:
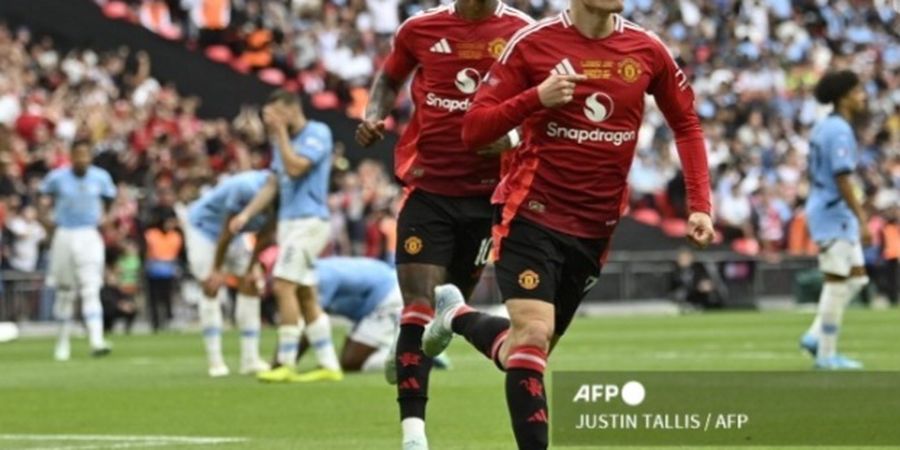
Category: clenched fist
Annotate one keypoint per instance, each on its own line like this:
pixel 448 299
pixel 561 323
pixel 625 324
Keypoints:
pixel 700 229
pixel 557 90
pixel 369 132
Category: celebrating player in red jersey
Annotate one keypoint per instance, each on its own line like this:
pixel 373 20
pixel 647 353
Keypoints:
pixel 576 85
pixel 443 230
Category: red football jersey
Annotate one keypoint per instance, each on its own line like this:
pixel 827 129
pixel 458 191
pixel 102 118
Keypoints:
pixel 570 174
pixel 449 57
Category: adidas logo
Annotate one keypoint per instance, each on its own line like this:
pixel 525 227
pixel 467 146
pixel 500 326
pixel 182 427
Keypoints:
pixel 564 67
pixel 409 384
pixel 441 46
pixel 540 417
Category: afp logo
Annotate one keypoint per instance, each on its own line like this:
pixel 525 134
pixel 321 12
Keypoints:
pixel 598 107
pixel 468 80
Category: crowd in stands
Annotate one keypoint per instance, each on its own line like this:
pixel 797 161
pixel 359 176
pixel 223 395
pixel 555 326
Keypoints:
pixel 753 64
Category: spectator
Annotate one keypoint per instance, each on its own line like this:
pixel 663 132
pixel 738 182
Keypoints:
pixel 692 285
pixel 27 234
pixel 164 244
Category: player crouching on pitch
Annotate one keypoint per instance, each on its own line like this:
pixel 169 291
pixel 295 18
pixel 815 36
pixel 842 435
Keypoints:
pixel 214 251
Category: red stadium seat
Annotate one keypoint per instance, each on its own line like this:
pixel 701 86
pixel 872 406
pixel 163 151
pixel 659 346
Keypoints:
pixel 219 54
pixel 674 227
pixel 647 216
pixel 272 76
pixel 116 10
pixel 240 66
pixel 746 246
pixel 325 100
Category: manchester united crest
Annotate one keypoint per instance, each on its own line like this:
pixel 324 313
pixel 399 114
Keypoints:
pixel 529 279
pixel 495 47
pixel 412 245
pixel 630 70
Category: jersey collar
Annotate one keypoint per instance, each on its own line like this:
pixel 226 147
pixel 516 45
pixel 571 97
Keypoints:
pixel 498 11
pixel 618 21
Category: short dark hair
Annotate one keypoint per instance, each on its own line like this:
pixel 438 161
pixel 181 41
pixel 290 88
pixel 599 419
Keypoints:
pixel 82 141
pixel 283 96
pixel 834 86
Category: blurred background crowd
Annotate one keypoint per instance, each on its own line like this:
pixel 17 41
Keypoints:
pixel 753 64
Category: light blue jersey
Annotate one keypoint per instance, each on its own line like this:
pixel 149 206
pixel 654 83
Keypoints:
pixel 209 212
pixel 78 201
pixel 354 287
pixel 306 196
pixel 832 151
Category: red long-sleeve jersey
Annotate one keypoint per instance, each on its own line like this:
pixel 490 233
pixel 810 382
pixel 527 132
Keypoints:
pixel 570 174
pixel 449 57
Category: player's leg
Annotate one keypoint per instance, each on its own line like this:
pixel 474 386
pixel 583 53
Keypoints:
pixel 313 236
pixel 841 262
pixel 425 236
pixel 247 309
pixel 472 251
pixel 200 252
pixel 61 276
pixel 284 289
pixel 89 262
pixel 368 345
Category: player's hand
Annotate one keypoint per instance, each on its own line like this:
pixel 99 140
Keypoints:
pixel 496 149
pixel 212 283
pixel 238 223
pixel 274 117
pixel 700 229
pixel 369 132
pixel 557 90
pixel 865 236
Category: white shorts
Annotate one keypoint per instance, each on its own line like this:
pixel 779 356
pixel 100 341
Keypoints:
pixel 300 241
pixel 377 329
pixel 201 253
pixel 838 256
pixel 77 257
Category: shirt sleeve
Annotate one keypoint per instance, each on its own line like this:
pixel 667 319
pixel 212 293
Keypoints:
pixel 842 150
pixel 108 188
pixel 402 59
pixel 503 102
pixel 49 185
pixel 314 146
pixel 675 98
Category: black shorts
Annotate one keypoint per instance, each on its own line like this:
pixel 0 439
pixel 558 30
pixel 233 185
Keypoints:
pixel 535 262
pixel 451 232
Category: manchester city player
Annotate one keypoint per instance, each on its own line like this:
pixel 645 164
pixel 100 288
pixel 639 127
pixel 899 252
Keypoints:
pixel 837 221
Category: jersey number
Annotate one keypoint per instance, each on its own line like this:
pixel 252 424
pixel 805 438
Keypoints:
pixel 484 252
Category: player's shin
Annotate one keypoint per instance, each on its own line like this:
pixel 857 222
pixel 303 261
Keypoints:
pixel 413 369
pixel 247 312
pixel 210 312
pixel 485 332
pixel 92 312
pixel 318 332
pixel 525 396
pixel 63 311
pixel 831 310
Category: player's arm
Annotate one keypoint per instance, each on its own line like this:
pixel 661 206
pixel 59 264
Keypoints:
pixel 260 202
pixel 265 238
pixel 295 164
pixel 386 87
pixel 843 165
pixel 675 98
pixel 47 192
pixel 506 99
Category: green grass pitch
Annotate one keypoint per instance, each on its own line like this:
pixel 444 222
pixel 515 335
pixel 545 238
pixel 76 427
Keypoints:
pixel 157 386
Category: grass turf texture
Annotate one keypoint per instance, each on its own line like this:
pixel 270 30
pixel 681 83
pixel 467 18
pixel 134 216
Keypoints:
pixel 157 385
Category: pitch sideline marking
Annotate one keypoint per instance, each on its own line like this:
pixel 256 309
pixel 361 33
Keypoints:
pixel 124 441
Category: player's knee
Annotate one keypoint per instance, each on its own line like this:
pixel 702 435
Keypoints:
pixel 533 332
pixel 350 363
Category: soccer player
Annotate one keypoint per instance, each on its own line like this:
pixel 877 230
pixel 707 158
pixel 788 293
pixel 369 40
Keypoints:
pixel 302 165
pixel 214 251
pixel 80 193
pixel 576 84
pixel 364 290
pixel 443 229
pixel 837 221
